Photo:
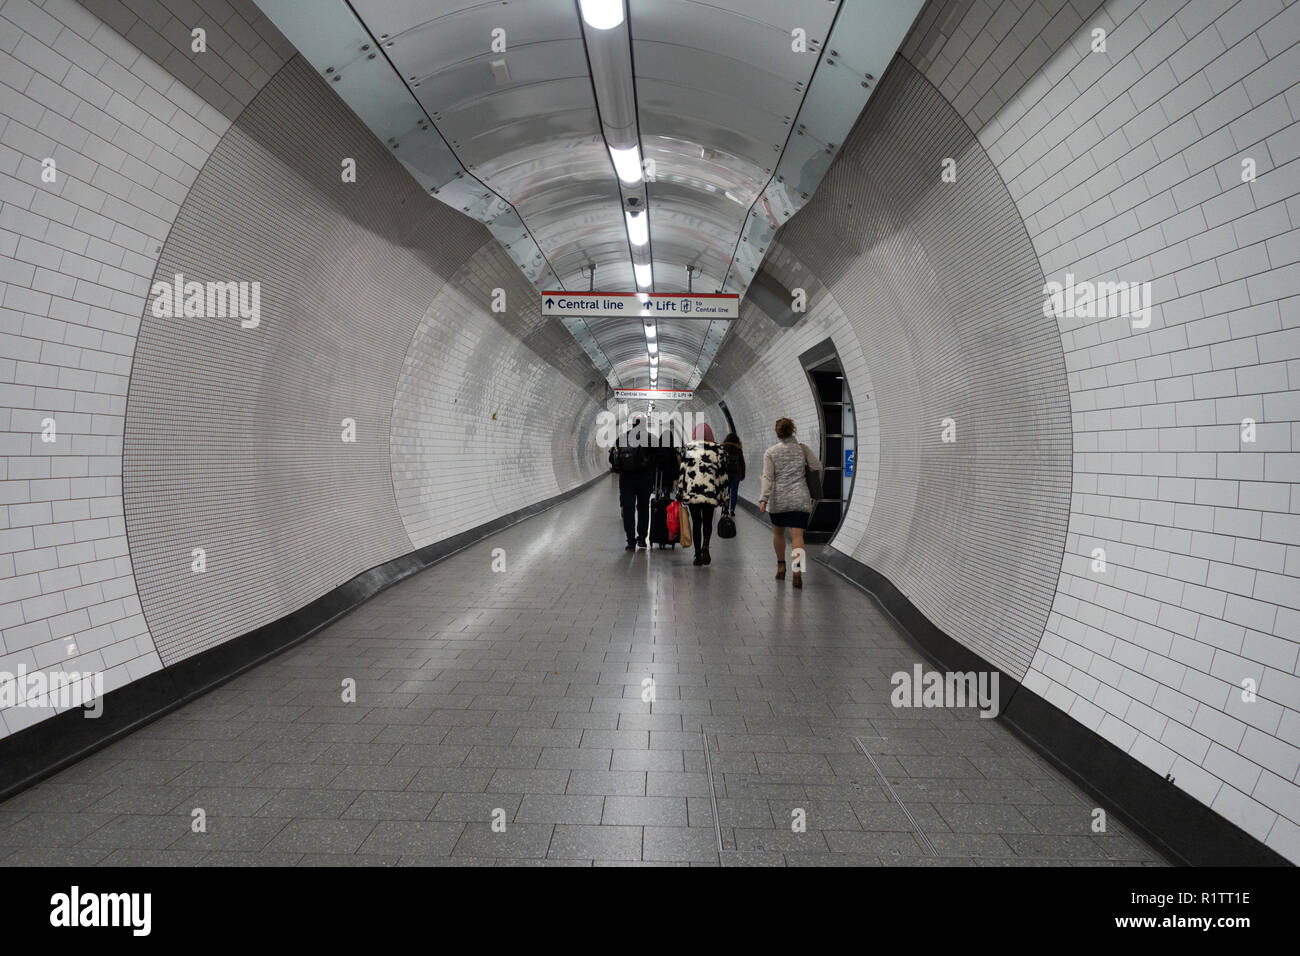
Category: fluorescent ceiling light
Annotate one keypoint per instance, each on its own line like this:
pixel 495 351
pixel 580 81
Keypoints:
pixel 627 163
pixel 653 346
pixel 638 231
pixel 643 276
pixel 651 332
pixel 602 14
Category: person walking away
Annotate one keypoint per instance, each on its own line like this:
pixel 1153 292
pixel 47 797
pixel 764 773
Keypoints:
pixel 785 495
pixel 632 458
pixel 667 456
pixel 733 459
pixel 701 486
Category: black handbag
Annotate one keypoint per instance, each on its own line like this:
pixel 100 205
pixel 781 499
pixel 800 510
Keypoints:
pixel 726 526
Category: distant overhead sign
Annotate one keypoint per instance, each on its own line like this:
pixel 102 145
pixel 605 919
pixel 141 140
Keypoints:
pixel 663 394
pixel 641 305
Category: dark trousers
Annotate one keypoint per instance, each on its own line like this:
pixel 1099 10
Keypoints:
pixel 733 485
pixel 634 498
pixel 701 525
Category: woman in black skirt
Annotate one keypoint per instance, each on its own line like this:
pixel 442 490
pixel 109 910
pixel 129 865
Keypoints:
pixel 785 494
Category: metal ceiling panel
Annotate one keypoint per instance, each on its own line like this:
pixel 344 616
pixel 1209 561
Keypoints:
pixel 862 42
pixel 329 35
pixel 453 31
pixel 460 84
pixel 737 129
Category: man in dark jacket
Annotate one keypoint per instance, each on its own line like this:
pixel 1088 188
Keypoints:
pixel 632 458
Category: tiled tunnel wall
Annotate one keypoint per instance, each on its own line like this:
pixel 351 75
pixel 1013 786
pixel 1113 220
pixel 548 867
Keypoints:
pixel 1125 165
pixel 233 435
pixel 375 311
pixel 76 257
pixel 481 425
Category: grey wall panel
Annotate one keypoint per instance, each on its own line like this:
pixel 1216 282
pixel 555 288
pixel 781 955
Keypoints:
pixel 942 291
pixel 234 436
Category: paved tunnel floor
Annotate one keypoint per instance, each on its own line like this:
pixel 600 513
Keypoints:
pixel 521 692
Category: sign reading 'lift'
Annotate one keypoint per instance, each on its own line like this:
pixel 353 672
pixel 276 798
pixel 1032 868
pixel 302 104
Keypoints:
pixel 641 305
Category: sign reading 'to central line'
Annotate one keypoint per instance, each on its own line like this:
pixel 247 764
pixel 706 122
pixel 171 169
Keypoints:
pixel 653 305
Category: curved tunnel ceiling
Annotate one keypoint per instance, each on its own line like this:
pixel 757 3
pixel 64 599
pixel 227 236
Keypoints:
pixel 495 108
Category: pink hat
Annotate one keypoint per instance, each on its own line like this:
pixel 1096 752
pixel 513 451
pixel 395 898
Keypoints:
pixel 702 430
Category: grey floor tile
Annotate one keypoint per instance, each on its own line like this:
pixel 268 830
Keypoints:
pixel 223 858
pixel 138 832
pixel 142 856
pixel 410 838
pixel 608 782
pixel 316 804
pixel 231 834
pixel 54 856
pixel 322 836
pixel 680 844
pixel 391 805
pixel 582 842
pixel 660 784
pixel 645 811
pixel 518 840
pixel 561 808
pixel 476 807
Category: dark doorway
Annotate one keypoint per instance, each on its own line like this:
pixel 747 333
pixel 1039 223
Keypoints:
pixel 838 446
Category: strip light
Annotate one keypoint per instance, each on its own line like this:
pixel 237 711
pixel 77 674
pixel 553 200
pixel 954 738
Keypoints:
pixel 627 163
pixel 602 14
pixel 638 230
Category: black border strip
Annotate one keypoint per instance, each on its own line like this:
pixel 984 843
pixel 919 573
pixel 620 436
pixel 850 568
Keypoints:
pixel 1175 823
pixel 43 749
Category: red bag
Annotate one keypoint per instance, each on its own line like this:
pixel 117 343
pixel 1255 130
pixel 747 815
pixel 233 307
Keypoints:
pixel 674 521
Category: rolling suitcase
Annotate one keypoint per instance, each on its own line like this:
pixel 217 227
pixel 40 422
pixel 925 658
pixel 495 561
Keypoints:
pixel 659 521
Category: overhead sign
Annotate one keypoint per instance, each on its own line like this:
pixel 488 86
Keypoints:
pixel 641 305
pixel 665 394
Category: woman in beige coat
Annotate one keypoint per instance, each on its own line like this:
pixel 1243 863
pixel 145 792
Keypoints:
pixel 785 494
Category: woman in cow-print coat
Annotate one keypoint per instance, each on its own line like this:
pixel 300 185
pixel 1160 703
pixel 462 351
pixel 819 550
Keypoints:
pixel 701 485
